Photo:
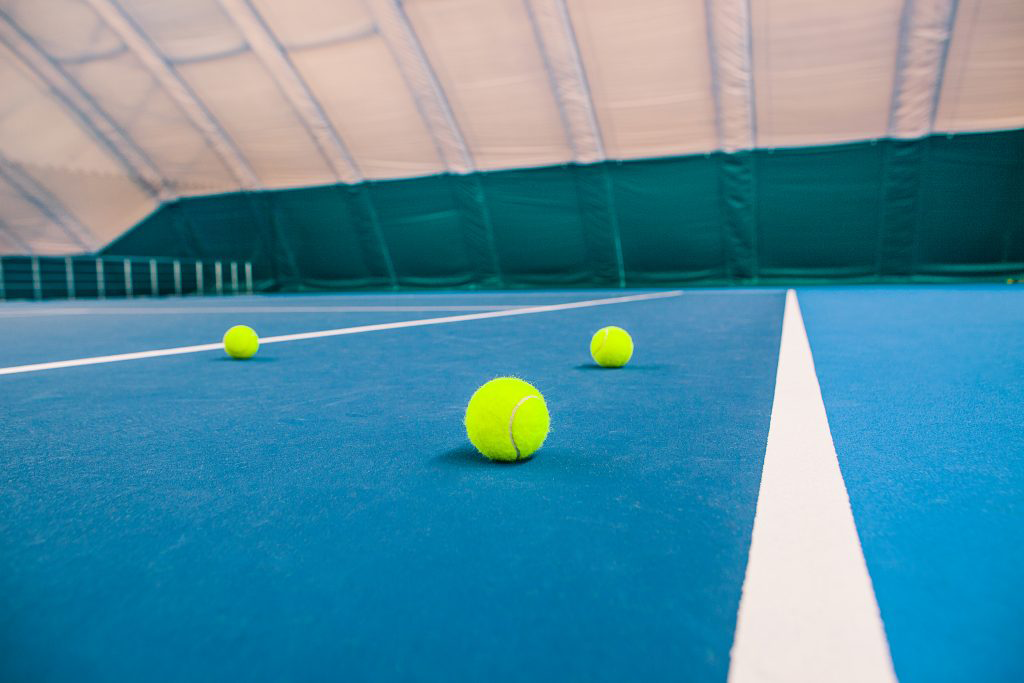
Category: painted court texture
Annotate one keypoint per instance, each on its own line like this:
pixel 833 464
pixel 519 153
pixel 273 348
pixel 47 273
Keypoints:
pixel 318 513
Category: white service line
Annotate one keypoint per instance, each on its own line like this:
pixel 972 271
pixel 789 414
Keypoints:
pixel 528 310
pixel 178 310
pixel 808 611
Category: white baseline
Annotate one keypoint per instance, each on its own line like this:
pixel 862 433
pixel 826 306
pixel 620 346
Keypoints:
pixel 26 312
pixel 527 310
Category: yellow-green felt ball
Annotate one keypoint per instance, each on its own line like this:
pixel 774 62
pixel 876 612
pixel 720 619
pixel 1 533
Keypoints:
pixel 611 347
pixel 507 419
pixel 241 342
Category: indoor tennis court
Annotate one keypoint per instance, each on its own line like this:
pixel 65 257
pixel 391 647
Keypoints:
pixel 267 266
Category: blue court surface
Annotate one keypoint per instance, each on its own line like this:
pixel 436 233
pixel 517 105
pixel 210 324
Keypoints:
pixel 317 513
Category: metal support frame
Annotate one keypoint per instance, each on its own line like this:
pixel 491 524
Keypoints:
pixel 46 203
pixel 404 44
pixel 177 89
pixel 556 41
pixel 732 73
pixel 272 53
pixel 84 108
pixel 926 29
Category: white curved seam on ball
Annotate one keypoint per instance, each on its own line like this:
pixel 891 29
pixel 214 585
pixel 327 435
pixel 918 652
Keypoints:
pixel 512 419
pixel 603 340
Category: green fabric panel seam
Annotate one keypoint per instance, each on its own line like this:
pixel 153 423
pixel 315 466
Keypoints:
pixel 739 208
pixel 901 182
pixel 368 223
pixel 599 222
pixel 613 218
pixel 478 228
pixel 272 237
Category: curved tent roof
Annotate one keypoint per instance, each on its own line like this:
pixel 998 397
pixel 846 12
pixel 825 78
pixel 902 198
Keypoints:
pixel 110 107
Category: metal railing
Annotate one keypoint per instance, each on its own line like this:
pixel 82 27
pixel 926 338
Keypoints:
pixel 108 277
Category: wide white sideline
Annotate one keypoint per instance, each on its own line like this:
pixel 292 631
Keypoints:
pixel 527 310
pixel 808 611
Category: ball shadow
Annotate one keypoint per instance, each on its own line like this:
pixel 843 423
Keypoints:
pixel 254 359
pixel 466 456
pixel 628 368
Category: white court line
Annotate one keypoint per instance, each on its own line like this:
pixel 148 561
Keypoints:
pixel 528 310
pixel 178 310
pixel 808 611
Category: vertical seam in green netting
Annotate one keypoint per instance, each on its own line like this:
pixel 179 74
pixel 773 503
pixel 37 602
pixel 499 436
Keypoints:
pixel 474 217
pixel 480 196
pixel 1010 226
pixel 378 233
pixel 737 186
pixel 915 221
pixel 272 239
pixel 1007 235
pixel 597 222
pixel 901 183
pixel 613 218
pixel 723 223
pixel 755 219
pixel 187 230
pixel 883 165
pixel 179 219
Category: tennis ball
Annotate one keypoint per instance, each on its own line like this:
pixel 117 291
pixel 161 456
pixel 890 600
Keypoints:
pixel 241 342
pixel 507 419
pixel 611 347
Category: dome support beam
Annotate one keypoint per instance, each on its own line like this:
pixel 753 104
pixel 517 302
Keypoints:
pixel 178 90
pixel 552 27
pixel 732 73
pixel 15 239
pixel 556 40
pixel 926 29
pixel 48 205
pixel 85 110
pixel 401 39
pixel 268 48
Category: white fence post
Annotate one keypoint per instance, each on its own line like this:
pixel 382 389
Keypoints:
pixel 128 278
pixel 177 277
pixel 69 276
pixel 37 285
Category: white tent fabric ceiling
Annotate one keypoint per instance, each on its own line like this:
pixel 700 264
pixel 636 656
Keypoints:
pixel 109 107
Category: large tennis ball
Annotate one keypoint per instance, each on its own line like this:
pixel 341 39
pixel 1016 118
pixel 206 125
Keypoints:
pixel 507 419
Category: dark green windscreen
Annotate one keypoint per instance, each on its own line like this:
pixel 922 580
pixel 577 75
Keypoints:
pixel 942 208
